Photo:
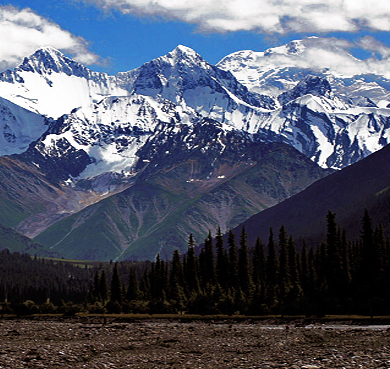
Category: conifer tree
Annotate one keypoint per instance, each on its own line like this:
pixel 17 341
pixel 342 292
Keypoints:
pixel 133 292
pixel 192 270
pixel 158 279
pixel 292 261
pixel 244 265
pixel 369 266
pixel 312 275
pixel 284 268
pixel 284 273
pixel 176 275
pixel 346 264
pixel 103 290
pixel 272 261
pixel 116 286
pixel 222 260
pixel 272 272
pixel 334 266
pixel 304 269
pixel 233 260
pixel 259 264
pixel 176 281
pixel 379 245
pixel 145 286
pixel 209 270
pixel 322 266
pixel 96 286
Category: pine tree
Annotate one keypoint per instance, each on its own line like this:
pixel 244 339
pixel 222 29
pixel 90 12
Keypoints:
pixel 292 260
pixel 379 242
pixel 209 271
pixel 305 269
pixel 346 264
pixel 380 246
pixel 312 274
pixel 96 287
pixel 272 261
pixel 322 267
pixel 103 289
pixel 176 282
pixel 176 275
pixel 233 260
pixel 133 291
pixel 244 265
pixel 158 279
pixel 284 269
pixel 284 274
pixel 192 270
pixel 116 286
pixel 222 260
pixel 259 264
pixel 272 273
pixel 369 265
pixel 334 268
pixel 145 286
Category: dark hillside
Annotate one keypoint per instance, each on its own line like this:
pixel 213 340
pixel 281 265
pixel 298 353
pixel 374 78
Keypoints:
pixel 363 185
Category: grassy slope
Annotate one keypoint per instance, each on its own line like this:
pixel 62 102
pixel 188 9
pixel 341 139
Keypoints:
pixel 16 242
pixel 100 231
pixel 20 188
pixel 158 214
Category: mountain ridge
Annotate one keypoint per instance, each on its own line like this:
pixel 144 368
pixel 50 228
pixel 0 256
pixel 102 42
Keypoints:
pixel 98 135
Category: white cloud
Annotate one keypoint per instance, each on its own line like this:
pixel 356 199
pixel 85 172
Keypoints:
pixel 270 16
pixel 376 47
pixel 332 53
pixel 27 31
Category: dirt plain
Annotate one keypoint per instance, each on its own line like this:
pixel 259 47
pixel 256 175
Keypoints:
pixel 167 343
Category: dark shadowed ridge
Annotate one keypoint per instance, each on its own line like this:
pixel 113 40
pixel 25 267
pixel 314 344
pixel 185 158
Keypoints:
pixel 363 185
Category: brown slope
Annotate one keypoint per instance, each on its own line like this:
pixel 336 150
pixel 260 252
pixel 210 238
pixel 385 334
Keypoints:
pixel 193 195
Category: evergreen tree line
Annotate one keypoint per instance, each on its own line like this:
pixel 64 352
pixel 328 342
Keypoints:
pixel 227 276
pixel 336 277
pixel 38 285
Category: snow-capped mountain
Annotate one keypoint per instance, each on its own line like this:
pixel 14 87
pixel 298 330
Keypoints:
pixel 279 69
pixel 184 76
pixel 324 127
pixel 177 130
pixel 50 84
pixel 333 119
pixel 109 133
pixel 19 127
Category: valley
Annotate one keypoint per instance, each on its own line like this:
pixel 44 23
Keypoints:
pixel 104 167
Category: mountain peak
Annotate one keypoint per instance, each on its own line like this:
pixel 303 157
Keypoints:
pixel 295 47
pixel 181 49
pixel 48 50
pixel 184 49
pixel 314 85
pixel 47 60
pixel 182 52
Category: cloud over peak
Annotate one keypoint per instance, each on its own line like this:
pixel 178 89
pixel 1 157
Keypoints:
pixel 317 53
pixel 27 31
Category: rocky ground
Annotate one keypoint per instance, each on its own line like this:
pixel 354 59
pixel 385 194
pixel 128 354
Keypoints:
pixel 109 343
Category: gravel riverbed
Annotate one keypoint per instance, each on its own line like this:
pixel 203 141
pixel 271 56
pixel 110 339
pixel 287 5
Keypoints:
pixel 98 343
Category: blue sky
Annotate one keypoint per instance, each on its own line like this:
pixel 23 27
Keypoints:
pixel 119 35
